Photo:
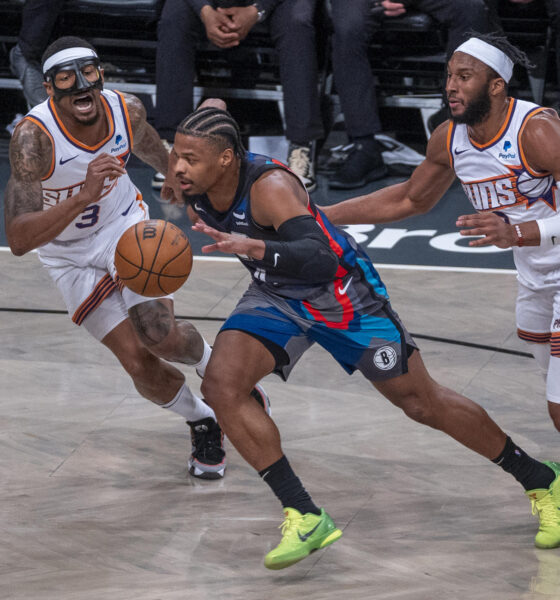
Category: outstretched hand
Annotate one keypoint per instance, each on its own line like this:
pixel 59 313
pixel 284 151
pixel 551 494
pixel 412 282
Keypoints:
pixel 230 243
pixel 492 227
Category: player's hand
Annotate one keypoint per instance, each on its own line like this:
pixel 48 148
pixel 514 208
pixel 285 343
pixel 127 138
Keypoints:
pixel 393 9
pixel 99 169
pixel 219 28
pixel 230 243
pixel 170 195
pixel 493 228
pixel 242 19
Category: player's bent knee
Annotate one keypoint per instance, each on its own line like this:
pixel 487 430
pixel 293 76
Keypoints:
pixel 140 365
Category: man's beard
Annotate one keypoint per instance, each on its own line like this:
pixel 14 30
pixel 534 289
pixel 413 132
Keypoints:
pixel 476 110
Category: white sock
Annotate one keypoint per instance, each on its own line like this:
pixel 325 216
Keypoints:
pixel 201 366
pixel 189 406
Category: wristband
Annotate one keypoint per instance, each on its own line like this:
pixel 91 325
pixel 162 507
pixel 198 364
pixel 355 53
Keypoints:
pixel 520 240
pixel 549 230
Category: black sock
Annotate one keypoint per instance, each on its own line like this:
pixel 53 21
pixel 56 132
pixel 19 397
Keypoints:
pixel 287 487
pixel 531 474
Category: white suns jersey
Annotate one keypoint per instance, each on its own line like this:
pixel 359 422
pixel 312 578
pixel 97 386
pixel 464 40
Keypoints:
pixel 69 166
pixel 496 177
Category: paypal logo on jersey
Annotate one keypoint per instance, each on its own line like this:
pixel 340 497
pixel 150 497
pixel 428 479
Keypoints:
pixel 505 154
pixel 120 144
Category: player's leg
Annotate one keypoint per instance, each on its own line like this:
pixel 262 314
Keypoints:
pixel 553 373
pixel 425 401
pixel 161 383
pixel 538 318
pixel 257 340
pixel 172 340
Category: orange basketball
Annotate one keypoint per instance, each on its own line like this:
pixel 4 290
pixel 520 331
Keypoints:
pixel 153 258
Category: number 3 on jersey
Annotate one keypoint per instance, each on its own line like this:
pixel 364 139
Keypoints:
pixel 90 216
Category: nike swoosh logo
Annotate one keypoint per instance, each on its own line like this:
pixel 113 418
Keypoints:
pixel 342 290
pixel 239 216
pixel 304 537
pixel 198 208
pixel 126 211
pixel 457 152
pixel 276 257
pixel 63 162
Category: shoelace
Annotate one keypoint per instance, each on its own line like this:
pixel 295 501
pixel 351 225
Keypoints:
pixel 208 444
pixel 299 161
pixel 290 523
pixel 548 513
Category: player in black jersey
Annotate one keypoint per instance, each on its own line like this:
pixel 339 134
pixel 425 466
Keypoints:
pixel 311 283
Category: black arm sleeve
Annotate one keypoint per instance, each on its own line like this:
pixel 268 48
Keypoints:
pixel 303 251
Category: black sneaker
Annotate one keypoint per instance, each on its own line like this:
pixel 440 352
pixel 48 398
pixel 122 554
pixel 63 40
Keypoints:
pixel 360 168
pixel 208 457
pixel 301 160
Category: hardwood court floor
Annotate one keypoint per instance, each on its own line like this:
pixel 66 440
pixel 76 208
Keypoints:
pixel 96 502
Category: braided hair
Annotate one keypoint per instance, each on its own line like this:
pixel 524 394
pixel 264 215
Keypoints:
pixel 215 124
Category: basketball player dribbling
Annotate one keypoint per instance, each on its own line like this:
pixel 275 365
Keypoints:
pixel 69 196
pixel 312 283
pixel 506 153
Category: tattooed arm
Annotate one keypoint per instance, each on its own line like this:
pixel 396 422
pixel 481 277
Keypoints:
pixel 147 144
pixel 28 226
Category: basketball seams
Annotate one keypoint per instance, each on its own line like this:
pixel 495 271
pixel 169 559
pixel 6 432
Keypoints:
pixel 159 248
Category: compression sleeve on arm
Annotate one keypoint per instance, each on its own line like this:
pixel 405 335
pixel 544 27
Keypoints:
pixel 303 251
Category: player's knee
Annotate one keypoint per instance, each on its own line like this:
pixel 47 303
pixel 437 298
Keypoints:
pixel 417 408
pixel 139 365
pixel 218 392
pixel 423 406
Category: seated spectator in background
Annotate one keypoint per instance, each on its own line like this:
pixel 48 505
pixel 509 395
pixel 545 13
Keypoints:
pixel 38 19
pixel 226 23
pixel 354 25
pixel 552 8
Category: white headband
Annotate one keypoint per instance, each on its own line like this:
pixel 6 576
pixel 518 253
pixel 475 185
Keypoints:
pixel 489 55
pixel 66 55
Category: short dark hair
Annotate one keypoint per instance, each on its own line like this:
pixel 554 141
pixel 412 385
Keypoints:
pixel 62 43
pixel 216 125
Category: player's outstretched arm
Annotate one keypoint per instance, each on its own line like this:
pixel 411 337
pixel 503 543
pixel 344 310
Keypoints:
pixel 427 184
pixel 28 226
pixel 541 146
pixel 147 144
pixel 302 250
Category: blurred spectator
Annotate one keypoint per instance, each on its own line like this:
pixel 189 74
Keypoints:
pixel 354 25
pixel 226 23
pixel 38 21
pixel 552 8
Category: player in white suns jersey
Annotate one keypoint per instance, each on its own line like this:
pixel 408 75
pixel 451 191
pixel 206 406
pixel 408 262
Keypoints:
pixel 506 153
pixel 69 195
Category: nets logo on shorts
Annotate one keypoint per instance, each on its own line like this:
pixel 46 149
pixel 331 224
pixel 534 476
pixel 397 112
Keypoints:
pixel 385 358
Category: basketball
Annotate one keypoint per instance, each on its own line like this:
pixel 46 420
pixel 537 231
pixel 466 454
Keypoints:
pixel 534 187
pixel 153 258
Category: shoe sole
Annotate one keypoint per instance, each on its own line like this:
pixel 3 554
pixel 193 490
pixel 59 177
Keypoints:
pixel 218 474
pixel 330 539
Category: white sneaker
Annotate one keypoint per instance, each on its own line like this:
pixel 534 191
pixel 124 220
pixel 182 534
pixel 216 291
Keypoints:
pixel 301 160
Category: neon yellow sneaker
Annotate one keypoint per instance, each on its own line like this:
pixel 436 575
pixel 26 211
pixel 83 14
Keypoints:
pixel 301 535
pixel 546 502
